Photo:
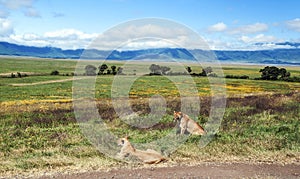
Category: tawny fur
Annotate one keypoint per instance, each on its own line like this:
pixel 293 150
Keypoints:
pixel 149 156
pixel 188 124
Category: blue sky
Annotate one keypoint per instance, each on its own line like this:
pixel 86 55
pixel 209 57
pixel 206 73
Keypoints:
pixel 223 24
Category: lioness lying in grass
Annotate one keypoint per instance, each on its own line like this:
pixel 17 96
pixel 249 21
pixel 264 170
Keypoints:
pixel 149 156
pixel 187 124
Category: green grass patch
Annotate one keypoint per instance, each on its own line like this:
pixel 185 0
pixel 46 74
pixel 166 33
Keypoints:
pixel 44 87
pixel 36 65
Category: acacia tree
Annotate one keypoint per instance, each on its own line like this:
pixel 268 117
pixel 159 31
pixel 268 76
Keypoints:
pixel 90 70
pixel 113 68
pixel 206 71
pixel 102 68
pixel 120 71
pixel 189 69
pixel 272 73
pixel 155 69
pixel 165 69
pixel 284 74
pixel 55 72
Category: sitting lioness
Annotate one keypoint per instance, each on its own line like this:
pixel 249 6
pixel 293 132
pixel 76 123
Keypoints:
pixel 149 156
pixel 187 124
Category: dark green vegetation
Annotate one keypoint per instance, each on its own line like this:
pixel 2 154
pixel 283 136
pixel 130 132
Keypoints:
pixel 274 73
pixel 39 132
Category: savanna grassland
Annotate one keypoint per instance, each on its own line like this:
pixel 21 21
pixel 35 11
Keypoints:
pixel 39 131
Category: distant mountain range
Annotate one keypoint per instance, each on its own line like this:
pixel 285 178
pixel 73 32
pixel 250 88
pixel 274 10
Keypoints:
pixel 276 56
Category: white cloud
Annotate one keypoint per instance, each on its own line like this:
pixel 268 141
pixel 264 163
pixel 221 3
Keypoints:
pixel 218 44
pixel 219 27
pixel 145 35
pixel 138 35
pixel 133 36
pixel 249 29
pixel 69 34
pixel 6 27
pixel 256 42
pixel 28 39
pixel 294 24
pixel 74 39
pixel 260 38
pixel 65 39
pixel 147 43
pixel 274 46
pixel 133 31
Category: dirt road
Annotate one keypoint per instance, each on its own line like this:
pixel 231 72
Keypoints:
pixel 46 82
pixel 208 170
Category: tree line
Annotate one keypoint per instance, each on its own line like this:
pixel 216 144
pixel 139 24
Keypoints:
pixel 275 73
pixel 91 70
pixel 164 70
pixel 270 73
pixel 267 73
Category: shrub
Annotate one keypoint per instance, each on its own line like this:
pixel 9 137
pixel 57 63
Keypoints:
pixel 272 73
pixel 292 79
pixel 237 76
pixel 212 75
pixel 55 72
pixel 90 70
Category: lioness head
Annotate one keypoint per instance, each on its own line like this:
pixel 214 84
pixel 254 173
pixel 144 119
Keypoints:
pixel 177 116
pixel 123 141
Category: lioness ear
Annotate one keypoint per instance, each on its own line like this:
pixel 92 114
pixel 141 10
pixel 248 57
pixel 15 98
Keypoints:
pixel 127 137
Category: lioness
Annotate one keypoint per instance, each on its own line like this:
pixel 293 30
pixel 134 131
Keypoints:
pixel 149 156
pixel 188 124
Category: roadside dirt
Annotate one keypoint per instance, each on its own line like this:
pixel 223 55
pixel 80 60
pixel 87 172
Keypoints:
pixel 45 82
pixel 206 170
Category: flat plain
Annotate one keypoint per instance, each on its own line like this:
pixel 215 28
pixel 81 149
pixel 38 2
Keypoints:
pixel 40 134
